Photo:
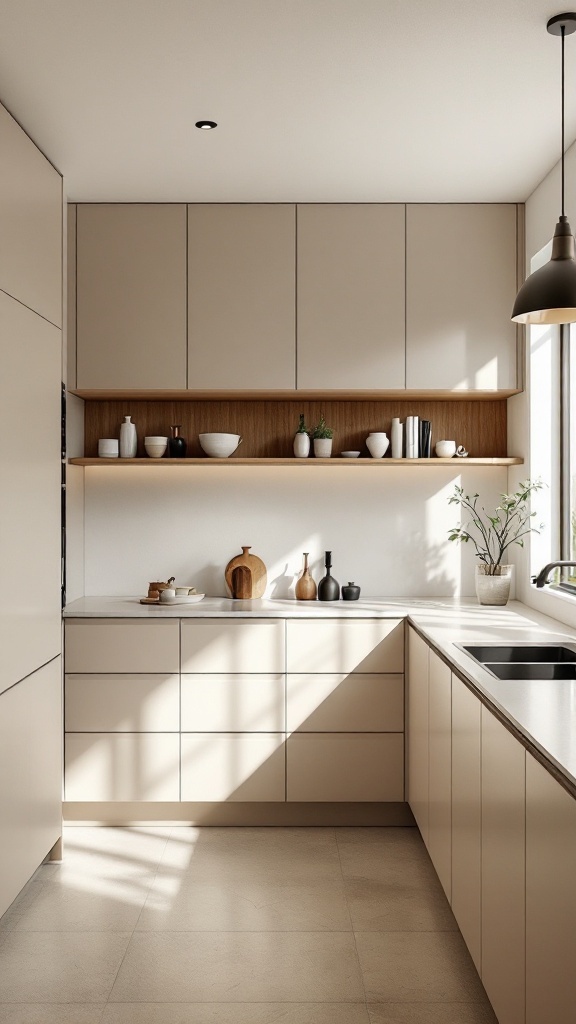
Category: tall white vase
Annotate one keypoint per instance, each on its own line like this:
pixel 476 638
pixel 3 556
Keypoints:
pixel 301 445
pixel 128 439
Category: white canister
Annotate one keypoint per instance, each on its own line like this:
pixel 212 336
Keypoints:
pixel 128 439
pixel 323 447
pixel 301 445
pixel 397 433
pixel 377 444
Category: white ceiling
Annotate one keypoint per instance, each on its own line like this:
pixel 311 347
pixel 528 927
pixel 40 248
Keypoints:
pixel 316 100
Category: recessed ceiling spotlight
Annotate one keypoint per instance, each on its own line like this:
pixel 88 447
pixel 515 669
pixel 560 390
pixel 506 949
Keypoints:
pixel 206 125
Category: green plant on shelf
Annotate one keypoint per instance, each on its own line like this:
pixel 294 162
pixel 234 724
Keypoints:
pixel 322 431
pixel 302 428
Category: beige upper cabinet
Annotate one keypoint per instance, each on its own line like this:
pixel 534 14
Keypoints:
pixel 351 296
pixel 241 295
pixel 131 296
pixel 461 282
pixel 30 223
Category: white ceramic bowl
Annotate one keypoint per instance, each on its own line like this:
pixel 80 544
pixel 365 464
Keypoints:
pixel 219 446
pixel 350 455
pixel 155 451
pixel 155 440
pixel 445 449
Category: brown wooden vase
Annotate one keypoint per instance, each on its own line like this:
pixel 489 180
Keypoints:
pixel 245 576
pixel 306 589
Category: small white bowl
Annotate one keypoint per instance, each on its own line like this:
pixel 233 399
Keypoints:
pixel 108 448
pixel 155 446
pixel 445 449
pixel 350 455
pixel 219 446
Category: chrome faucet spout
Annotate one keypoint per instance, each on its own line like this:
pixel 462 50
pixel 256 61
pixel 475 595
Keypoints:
pixel 544 573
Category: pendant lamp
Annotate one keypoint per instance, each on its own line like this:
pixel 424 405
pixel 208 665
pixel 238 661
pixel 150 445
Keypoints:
pixel 548 296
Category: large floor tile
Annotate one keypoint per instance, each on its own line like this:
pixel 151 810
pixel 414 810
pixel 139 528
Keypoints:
pixel 431 1013
pixel 383 906
pixel 236 1013
pixel 18 910
pixel 398 858
pixel 417 967
pixel 60 967
pixel 117 852
pixel 51 1013
pixel 239 967
pixel 245 905
pixel 68 908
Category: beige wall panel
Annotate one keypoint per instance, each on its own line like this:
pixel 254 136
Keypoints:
pixel 121 645
pixel 338 645
pixel 233 767
pixel 440 769
pixel 241 288
pixel 466 816
pixel 30 776
pixel 233 703
pixel 351 296
pixel 417 730
pixel 30 507
pixel 460 288
pixel 122 766
pixel 30 223
pixel 122 703
pixel 219 645
pixel 550 898
pixel 70 377
pixel 503 870
pixel 345 766
pixel 131 295
pixel 345 703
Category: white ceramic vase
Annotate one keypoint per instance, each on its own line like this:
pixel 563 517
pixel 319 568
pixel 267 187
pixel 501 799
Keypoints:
pixel 322 447
pixel 377 444
pixel 128 439
pixel 301 445
pixel 494 589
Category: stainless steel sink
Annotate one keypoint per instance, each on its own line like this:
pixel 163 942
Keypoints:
pixel 517 654
pixel 532 670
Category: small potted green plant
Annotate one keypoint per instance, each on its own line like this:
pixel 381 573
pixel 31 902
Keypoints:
pixel 492 535
pixel 322 440
pixel 302 440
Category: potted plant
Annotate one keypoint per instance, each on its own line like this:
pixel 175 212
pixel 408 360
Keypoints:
pixel 493 534
pixel 302 440
pixel 322 440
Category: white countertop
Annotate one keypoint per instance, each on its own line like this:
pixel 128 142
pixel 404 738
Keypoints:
pixel 543 712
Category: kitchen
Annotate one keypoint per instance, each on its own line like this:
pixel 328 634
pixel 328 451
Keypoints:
pixel 186 731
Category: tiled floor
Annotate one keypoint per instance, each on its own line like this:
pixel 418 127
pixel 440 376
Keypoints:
pixel 237 926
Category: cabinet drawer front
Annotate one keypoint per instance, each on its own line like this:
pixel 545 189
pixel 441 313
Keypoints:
pixel 233 767
pixel 346 768
pixel 233 703
pixel 122 766
pixel 345 703
pixel 363 645
pixel 218 645
pixel 120 645
pixel 122 703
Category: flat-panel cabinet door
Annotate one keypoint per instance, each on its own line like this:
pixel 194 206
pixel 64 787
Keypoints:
pixel 466 816
pixel 345 703
pixel 233 703
pixel 225 646
pixel 417 730
pixel 122 645
pixel 235 767
pixel 345 767
pixel 460 287
pixel 351 296
pixel 440 769
pixel 503 870
pixel 30 226
pixel 122 766
pixel 359 645
pixel 550 898
pixel 122 703
pixel 131 295
pixel 241 293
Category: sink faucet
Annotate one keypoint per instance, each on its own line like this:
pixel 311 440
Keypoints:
pixel 542 576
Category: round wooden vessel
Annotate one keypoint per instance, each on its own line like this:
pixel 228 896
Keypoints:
pixel 245 576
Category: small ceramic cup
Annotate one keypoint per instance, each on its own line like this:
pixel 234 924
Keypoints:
pixel 108 448
pixel 155 446
pixel 168 594
pixel 445 449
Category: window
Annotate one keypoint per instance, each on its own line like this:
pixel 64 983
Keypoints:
pixel 568 454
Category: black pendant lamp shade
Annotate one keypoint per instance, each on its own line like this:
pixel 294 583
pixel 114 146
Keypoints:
pixel 548 296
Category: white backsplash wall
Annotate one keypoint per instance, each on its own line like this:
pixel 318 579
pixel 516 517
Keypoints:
pixel 386 527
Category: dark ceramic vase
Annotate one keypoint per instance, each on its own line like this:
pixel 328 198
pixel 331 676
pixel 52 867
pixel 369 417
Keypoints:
pixel 328 588
pixel 176 444
pixel 351 592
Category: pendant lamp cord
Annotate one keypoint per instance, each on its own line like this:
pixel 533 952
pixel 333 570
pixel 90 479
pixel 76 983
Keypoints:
pixel 563 32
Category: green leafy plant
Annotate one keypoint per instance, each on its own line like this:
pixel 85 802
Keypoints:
pixel 302 428
pixel 321 430
pixel 493 534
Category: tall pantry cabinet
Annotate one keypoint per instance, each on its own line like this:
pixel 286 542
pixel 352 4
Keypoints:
pixel 30 628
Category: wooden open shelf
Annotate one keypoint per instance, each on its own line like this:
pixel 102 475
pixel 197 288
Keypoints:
pixel 139 395
pixel 335 461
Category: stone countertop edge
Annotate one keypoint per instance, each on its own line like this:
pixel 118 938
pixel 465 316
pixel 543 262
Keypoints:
pixel 540 713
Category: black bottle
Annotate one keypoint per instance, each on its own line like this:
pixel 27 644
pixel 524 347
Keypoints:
pixel 176 444
pixel 328 588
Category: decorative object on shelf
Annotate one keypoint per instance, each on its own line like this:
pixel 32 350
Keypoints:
pixel 412 438
pixel 128 439
pixel 177 445
pixel 425 437
pixel 218 445
pixel 397 438
pixel 155 588
pixel 322 436
pixel 328 588
pixel 350 455
pixel 377 444
pixel 306 589
pixel 351 592
pixel 302 440
pixel 245 576
pixel 461 452
pixel 108 448
pixel 445 449
pixel 155 446
pixel 548 296
pixel 493 534
pixel 190 599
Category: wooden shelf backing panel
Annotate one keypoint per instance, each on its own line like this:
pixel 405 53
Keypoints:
pixel 140 395
pixel 511 461
pixel 268 427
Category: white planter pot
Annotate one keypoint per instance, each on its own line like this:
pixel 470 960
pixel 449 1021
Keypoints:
pixel 322 447
pixel 301 445
pixel 493 589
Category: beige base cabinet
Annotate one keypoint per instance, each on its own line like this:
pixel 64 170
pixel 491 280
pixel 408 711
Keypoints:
pixel 440 769
pixel 235 767
pixel 417 730
pixel 466 816
pixel 122 766
pixel 345 767
pixel 550 898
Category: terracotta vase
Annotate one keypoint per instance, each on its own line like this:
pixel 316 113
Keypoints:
pixel 245 576
pixel 306 588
